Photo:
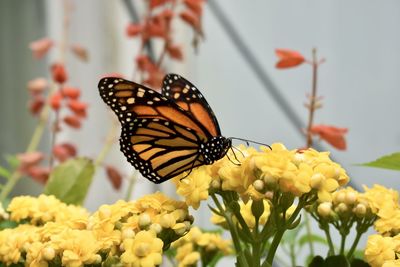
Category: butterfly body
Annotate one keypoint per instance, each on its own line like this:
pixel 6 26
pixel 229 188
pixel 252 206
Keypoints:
pixel 164 135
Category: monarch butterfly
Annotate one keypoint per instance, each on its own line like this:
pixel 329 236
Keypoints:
pixel 164 135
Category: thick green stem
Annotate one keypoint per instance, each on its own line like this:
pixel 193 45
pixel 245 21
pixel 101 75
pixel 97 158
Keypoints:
pixel 342 244
pixel 354 246
pixel 329 239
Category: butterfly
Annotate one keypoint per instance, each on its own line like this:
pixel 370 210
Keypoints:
pixel 164 135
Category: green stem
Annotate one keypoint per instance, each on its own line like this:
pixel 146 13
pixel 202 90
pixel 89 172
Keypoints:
pixel 354 246
pixel 235 236
pixel 131 183
pixel 281 230
pixel 308 231
pixel 329 239
pixel 342 244
pixel 107 145
pixel 32 146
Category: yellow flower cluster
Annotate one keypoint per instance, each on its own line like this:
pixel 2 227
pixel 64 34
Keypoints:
pixel 134 233
pixel 384 203
pixel 378 203
pixel 198 245
pixel 381 251
pixel 43 209
pixel 260 172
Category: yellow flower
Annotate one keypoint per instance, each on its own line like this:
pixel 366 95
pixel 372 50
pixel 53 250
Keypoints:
pixel 13 242
pixel 388 221
pixel 144 250
pixel 379 196
pixel 185 255
pixel 392 263
pixel 379 250
pixel 194 188
pixel 214 242
pixel 38 254
pixel 46 209
pixel 79 247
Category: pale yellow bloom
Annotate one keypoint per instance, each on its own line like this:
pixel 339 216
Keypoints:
pixel 194 188
pixel 379 250
pixel 144 250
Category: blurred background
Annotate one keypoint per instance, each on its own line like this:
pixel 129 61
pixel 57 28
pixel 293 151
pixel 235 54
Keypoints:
pixel 234 67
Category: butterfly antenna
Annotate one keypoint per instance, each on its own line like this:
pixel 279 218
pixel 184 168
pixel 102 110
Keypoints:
pixel 237 164
pixel 247 142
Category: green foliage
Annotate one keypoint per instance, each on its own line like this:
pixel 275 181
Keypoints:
pixel 335 261
pixel 70 180
pixel 390 162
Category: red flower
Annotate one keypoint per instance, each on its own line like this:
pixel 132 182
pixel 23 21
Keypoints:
pixel 335 136
pixel 30 158
pixel 71 92
pixel 192 19
pixel 64 151
pixel 59 73
pixel 195 6
pixel 79 108
pixel 80 52
pixel 55 100
pixel 73 121
pixel 133 29
pixel 175 52
pixel 37 86
pixel 41 47
pixel 288 58
pixel 36 105
pixel 114 176
pixel 155 3
pixel 39 174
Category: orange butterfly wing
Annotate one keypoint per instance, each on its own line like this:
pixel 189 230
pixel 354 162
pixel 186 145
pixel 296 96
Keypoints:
pixel 188 97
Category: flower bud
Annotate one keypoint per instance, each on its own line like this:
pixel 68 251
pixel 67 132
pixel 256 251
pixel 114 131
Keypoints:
pixel 144 220
pixel 97 259
pixel 180 229
pixel 269 195
pixel 142 249
pixel 342 208
pixel 49 253
pixel 128 233
pixel 351 198
pixel 298 158
pixel 167 221
pixel 258 185
pixel 317 180
pixel 216 184
pixel 156 228
pixel 325 209
pixel 340 197
pixel 270 181
pixel 360 210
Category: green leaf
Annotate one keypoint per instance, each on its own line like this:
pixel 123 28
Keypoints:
pixel 4 172
pixel 304 239
pixel 391 162
pixel 70 180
